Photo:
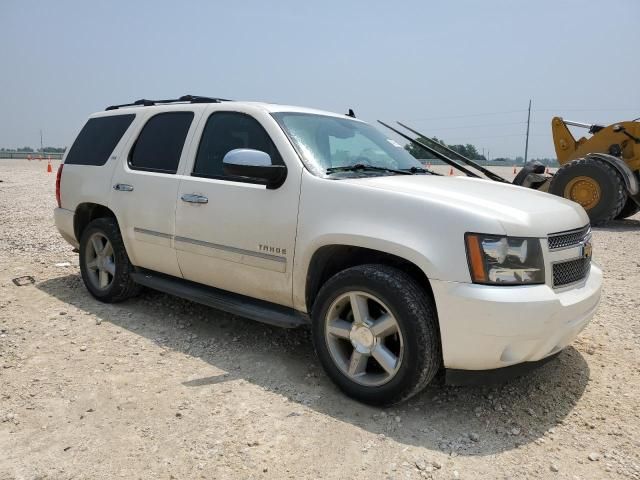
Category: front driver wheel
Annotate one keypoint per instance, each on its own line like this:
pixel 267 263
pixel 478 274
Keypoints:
pixel 375 332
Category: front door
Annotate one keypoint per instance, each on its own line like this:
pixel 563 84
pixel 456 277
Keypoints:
pixel 145 189
pixel 230 233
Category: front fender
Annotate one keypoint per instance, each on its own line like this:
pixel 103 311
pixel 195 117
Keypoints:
pixel 305 256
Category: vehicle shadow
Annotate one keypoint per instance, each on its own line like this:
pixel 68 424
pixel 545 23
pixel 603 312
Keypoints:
pixel 628 224
pixel 465 420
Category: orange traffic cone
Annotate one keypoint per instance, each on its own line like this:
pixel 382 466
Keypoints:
pixel 451 171
pixel 49 169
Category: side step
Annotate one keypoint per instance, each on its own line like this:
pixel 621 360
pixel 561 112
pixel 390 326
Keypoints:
pixel 233 303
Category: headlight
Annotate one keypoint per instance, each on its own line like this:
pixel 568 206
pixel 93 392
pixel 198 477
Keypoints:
pixel 501 260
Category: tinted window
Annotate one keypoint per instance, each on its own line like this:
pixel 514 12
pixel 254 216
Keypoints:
pixel 97 139
pixel 226 131
pixel 160 143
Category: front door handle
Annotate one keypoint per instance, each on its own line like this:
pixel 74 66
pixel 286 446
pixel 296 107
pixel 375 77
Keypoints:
pixel 194 198
pixel 123 187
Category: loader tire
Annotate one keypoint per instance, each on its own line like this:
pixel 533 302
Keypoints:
pixel 595 185
pixel 630 208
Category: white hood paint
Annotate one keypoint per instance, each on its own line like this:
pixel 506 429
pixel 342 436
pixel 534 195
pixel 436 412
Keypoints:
pixel 521 211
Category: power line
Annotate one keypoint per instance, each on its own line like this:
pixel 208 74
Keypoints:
pixel 534 110
pixel 465 115
pixel 480 125
pixel 504 136
pixel 569 109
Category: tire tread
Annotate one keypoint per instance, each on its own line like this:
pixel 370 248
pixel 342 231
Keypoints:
pixel 568 171
pixel 407 292
pixel 125 286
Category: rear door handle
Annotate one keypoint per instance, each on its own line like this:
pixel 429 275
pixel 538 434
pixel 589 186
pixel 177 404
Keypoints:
pixel 193 198
pixel 123 187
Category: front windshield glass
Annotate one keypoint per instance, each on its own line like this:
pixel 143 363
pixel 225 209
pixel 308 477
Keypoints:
pixel 325 142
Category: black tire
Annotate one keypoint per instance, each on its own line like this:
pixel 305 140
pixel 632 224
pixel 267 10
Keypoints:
pixel 613 193
pixel 416 316
pixel 630 208
pixel 122 285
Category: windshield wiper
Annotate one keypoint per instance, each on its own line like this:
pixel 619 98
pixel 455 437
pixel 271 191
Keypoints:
pixel 419 170
pixel 362 166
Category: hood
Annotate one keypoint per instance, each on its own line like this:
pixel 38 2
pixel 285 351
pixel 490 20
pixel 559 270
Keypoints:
pixel 521 211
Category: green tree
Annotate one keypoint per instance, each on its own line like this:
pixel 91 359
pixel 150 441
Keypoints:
pixel 468 150
pixel 419 152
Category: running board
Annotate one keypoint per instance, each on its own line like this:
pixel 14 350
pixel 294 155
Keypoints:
pixel 229 302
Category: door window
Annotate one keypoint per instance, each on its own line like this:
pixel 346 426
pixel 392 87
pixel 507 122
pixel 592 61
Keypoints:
pixel 159 145
pixel 226 131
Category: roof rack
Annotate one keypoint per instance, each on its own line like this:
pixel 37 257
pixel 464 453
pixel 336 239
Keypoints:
pixel 183 99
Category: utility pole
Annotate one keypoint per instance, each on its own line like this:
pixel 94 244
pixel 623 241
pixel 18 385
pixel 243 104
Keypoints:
pixel 526 145
pixel 41 147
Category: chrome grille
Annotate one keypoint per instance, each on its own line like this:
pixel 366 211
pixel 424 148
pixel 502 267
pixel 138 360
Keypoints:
pixel 571 238
pixel 572 271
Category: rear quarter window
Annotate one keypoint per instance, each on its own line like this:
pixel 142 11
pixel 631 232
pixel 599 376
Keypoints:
pixel 97 140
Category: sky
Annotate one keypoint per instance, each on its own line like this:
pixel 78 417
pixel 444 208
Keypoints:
pixel 463 70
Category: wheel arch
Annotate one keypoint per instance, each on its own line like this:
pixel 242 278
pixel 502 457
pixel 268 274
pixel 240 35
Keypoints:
pixel 87 212
pixel 328 260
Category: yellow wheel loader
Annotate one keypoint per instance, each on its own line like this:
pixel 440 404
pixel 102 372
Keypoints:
pixel 601 173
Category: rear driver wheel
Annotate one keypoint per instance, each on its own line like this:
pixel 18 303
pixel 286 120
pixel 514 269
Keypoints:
pixel 104 263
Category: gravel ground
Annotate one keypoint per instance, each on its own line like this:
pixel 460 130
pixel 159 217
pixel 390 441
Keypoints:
pixel 158 387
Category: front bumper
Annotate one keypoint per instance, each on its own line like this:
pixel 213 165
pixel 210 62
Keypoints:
pixel 487 327
pixel 64 223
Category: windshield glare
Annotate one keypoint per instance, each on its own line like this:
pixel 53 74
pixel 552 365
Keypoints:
pixel 324 142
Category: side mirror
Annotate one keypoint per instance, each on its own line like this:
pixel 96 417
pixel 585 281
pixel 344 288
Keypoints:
pixel 253 165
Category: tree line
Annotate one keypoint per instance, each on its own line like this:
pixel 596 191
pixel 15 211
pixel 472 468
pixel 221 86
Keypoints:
pixel 32 150
pixel 470 151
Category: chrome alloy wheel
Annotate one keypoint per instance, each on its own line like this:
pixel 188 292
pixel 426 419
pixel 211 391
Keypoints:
pixel 100 261
pixel 364 338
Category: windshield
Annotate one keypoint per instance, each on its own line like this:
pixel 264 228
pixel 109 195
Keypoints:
pixel 325 142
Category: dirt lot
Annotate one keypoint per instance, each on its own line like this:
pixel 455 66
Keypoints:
pixel 158 387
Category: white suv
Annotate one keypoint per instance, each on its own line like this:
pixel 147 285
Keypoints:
pixel 293 216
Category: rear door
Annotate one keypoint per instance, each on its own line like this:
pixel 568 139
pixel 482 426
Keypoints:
pixel 145 187
pixel 239 236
